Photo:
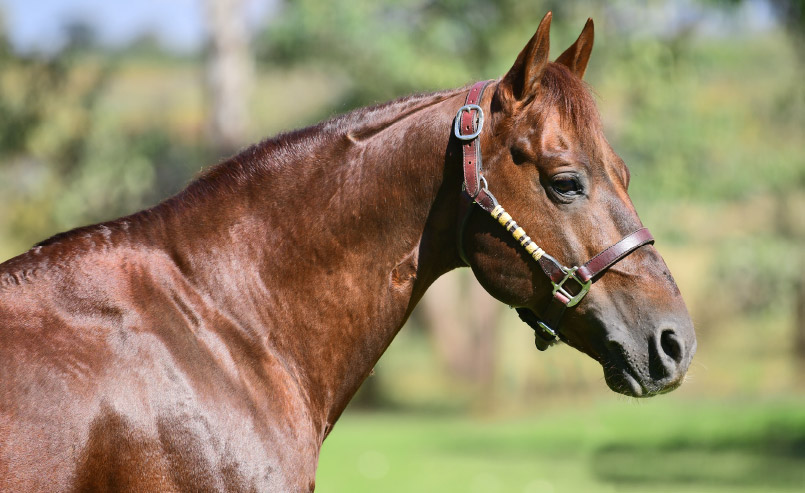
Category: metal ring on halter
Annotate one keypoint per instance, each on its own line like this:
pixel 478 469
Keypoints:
pixel 457 125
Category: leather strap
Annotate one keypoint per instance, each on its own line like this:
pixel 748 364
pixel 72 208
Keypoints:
pixel 471 149
pixel 613 254
pixel 470 121
pixel 552 268
pixel 472 163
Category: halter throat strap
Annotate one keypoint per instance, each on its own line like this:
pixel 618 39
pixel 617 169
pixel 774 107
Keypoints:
pixel 570 284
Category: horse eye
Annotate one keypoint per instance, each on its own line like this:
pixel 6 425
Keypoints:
pixel 566 185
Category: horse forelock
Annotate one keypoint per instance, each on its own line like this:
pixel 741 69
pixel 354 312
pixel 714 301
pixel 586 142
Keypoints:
pixel 571 97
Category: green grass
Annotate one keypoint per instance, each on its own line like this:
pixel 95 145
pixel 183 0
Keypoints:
pixel 662 445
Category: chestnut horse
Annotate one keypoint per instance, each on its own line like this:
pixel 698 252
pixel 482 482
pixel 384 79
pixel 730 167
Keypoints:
pixel 212 341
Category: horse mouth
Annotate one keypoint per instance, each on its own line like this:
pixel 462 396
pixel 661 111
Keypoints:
pixel 622 372
pixel 623 382
pixel 625 378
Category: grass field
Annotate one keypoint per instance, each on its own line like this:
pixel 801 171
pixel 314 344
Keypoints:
pixel 662 445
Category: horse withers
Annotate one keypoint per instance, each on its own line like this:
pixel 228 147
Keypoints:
pixel 212 341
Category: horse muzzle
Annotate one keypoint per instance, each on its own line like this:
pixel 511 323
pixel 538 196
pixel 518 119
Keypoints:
pixel 657 366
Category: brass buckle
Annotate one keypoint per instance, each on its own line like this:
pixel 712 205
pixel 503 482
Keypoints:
pixel 559 287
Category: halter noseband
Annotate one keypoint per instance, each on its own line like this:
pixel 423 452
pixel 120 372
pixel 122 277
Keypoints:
pixel 467 128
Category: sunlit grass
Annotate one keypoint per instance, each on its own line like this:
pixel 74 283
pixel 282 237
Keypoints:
pixel 659 445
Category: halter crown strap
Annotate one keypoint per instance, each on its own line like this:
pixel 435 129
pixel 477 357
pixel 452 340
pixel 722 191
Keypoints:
pixel 570 284
pixel 468 125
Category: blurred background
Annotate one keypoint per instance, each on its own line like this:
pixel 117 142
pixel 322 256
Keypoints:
pixel 109 107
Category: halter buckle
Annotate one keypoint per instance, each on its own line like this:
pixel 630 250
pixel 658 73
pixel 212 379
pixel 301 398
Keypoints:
pixel 547 329
pixel 480 122
pixel 573 299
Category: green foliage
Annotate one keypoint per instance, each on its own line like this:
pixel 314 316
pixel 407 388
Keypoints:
pixel 707 123
pixel 392 48
pixel 759 274
pixel 65 159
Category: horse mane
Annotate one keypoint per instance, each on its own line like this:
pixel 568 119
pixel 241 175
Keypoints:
pixel 268 156
pixel 282 150
pixel 559 88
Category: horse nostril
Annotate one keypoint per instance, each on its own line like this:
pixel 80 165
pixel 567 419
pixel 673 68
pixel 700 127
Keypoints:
pixel 671 345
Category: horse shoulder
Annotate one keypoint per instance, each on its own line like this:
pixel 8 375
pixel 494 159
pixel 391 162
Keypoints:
pixel 121 352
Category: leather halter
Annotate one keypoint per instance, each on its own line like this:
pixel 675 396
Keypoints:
pixel 467 128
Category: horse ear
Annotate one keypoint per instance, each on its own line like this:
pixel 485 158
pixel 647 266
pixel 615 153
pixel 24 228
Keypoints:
pixel 521 82
pixel 576 57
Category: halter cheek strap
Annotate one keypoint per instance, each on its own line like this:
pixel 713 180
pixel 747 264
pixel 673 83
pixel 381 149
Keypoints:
pixel 570 284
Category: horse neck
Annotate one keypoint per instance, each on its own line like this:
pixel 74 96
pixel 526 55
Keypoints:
pixel 329 249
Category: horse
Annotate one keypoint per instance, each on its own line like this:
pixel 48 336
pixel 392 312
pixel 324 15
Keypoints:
pixel 211 342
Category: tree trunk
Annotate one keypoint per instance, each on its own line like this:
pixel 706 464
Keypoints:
pixel 799 322
pixel 462 319
pixel 230 72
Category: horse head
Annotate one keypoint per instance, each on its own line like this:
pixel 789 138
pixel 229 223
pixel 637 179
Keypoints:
pixel 548 163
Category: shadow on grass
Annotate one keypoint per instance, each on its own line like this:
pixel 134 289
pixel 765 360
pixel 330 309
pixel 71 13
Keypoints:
pixel 772 458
